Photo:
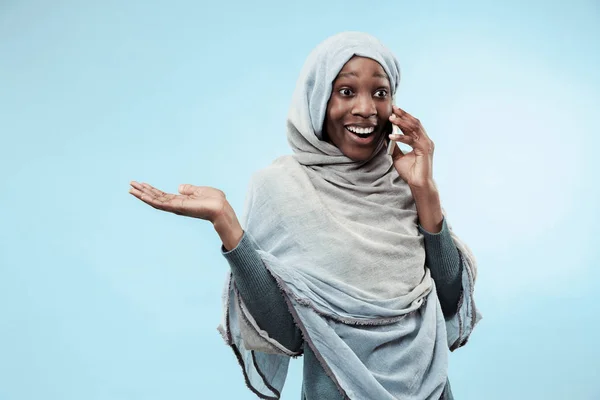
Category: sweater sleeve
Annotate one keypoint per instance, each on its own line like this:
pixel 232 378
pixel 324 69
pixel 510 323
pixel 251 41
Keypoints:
pixel 260 293
pixel 443 260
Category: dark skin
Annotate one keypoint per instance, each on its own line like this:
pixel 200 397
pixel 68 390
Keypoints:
pixel 361 97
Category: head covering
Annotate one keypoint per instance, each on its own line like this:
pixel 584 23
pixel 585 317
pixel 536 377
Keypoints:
pixel 321 69
pixel 341 239
pixel 313 90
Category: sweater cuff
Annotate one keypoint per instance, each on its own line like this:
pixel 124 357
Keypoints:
pixel 442 253
pixel 244 243
pixel 246 264
pixel 443 236
pixel 244 254
pixel 441 232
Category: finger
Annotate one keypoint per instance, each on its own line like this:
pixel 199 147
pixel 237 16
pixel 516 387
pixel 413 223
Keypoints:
pixel 137 193
pixel 143 188
pixel 410 131
pixel 403 116
pixel 424 133
pixel 166 201
pixel 153 197
pixel 160 203
pixel 408 123
pixel 140 195
pixel 402 113
pixel 154 191
pixel 424 146
pixel 402 138
pixel 398 153
pixel 395 151
pixel 404 122
pixel 136 185
pixel 187 189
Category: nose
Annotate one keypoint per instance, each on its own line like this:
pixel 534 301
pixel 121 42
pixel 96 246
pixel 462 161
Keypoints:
pixel 364 106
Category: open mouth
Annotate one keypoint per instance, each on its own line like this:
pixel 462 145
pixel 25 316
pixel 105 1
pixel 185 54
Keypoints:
pixel 361 132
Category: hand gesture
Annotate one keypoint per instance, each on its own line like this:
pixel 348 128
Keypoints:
pixel 193 201
pixel 416 166
pixel 197 202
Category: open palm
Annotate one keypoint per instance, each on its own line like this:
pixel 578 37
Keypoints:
pixel 202 202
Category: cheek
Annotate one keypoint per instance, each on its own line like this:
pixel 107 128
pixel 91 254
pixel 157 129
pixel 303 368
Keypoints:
pixel 335 111
pixel 385 110
pixel 384 113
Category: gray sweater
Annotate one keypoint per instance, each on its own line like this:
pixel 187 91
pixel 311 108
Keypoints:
pixel 265 301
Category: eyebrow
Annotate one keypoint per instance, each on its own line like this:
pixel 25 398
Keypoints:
pixel 375 75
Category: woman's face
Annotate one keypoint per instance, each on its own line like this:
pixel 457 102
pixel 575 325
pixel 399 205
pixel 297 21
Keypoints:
pixel 359 108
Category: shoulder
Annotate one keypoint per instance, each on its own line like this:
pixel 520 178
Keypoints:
pixel 283 181
pixel 283 172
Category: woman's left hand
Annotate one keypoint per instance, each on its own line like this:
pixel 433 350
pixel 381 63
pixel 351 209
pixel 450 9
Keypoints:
pixel 416 166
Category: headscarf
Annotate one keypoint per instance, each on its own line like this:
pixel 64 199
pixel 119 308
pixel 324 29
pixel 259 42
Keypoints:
pixel 341 239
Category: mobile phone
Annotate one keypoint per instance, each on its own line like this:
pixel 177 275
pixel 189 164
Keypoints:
pixel 390 148
pixel 391 144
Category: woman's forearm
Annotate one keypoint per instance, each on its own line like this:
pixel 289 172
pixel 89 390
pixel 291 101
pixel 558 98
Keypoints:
pixel 429 208
pixel 442 256
pixel 261 295
pixel 443 260
pixel 228 228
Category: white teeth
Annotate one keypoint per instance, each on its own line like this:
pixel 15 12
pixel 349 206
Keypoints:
pixel 361 131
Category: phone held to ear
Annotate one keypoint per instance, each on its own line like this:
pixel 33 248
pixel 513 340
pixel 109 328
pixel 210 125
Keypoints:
pixel 390 148
pixel 391 143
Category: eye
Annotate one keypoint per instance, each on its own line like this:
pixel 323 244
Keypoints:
pixel 381 93
pixel 346 92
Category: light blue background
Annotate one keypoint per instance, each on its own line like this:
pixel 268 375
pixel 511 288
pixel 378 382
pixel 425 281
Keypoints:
pixel 103 297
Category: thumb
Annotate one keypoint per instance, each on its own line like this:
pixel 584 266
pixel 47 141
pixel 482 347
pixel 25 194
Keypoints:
pixel 397 154
pixel 187 189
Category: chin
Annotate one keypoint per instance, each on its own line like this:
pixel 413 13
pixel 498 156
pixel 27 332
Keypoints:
pixel 360 155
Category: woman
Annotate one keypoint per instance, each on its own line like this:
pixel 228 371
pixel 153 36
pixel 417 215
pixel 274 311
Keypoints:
pixel 346 255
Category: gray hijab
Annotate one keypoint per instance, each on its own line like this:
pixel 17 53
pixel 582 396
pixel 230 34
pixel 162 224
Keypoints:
pixel 342 241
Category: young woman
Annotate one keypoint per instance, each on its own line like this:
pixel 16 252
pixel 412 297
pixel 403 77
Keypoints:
pixel 345 254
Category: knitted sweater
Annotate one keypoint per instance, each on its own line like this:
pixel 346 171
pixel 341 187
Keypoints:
pixel 265 301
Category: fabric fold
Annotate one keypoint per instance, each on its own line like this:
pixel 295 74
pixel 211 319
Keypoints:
pixel 341 239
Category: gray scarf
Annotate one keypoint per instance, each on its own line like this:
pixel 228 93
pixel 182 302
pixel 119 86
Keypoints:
pixel 341 239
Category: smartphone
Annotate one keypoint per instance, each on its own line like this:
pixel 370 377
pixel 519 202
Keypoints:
pixel 391 144
pixel 390 148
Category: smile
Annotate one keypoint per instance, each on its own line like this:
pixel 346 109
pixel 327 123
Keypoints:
pixel 361 131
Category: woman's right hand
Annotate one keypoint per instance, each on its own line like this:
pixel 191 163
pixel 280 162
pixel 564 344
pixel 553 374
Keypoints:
pixel 201 202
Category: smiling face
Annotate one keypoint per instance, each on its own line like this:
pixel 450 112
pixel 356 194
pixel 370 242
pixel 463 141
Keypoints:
pixel 359 108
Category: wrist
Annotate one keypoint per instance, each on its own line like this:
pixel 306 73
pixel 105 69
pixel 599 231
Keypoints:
pixel 428 189
pixel 229 229
pixel 429 209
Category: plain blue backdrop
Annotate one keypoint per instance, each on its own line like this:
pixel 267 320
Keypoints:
pixel 103 297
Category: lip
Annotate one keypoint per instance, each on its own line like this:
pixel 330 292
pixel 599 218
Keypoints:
pixel 362 141
pixel 362 125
